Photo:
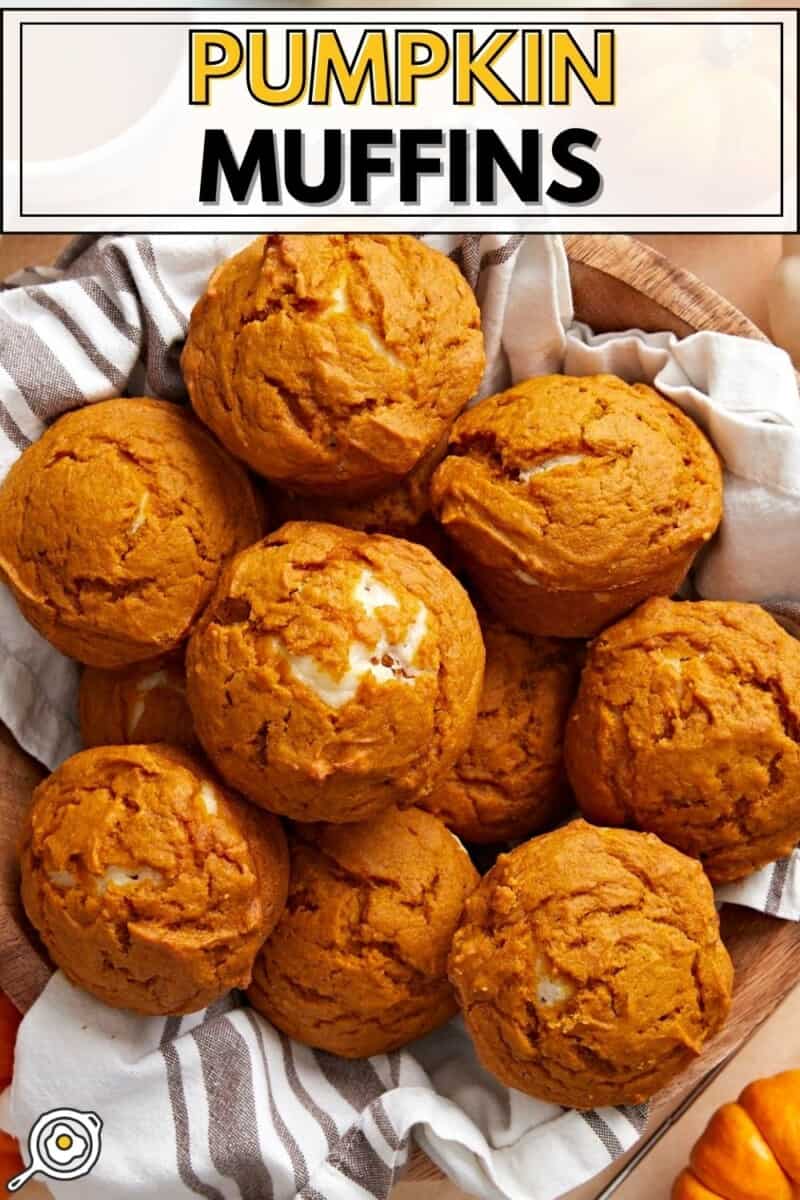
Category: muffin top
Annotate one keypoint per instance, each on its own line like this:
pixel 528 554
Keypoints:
pixel 333 363
pixel 145 702
pixel 151 885
pixel 370 917
pixel 335 672
pixel 511 782
pixel 687 724
pixel 578 482
pixel 114 526
pixel 589 966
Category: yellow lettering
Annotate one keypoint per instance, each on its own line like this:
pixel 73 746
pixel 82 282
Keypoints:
pixel 203 69
pixel 292 89
pixel 369 63
pixel 567 58
pixel 476 66
pixel 410 68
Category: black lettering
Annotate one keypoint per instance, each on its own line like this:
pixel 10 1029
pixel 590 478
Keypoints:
pixel 259 158
pixel 412 165
pixel 362 166
pixel 524 177
pixel 590 181
pixel 330 185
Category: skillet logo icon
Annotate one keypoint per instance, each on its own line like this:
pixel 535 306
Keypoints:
pixel 63 1144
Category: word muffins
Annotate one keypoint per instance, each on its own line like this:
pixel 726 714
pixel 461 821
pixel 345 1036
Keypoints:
pixel 332 364
pixel 335 673
pixel 572 499
pixel 151 886
pixel 589 966
pixel 357 964
pixel 511 781
pixel 687 724
pixel 114 527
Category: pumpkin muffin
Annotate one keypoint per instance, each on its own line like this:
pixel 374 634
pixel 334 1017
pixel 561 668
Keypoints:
pixel 511 781
pixel 687 724
pixel 151 886
pixel 145 702
pixel 114 526
pixel 573 499
pixel 402 511
pixel 333 363
pixel 335 673
pixel 589 966
pixel 357 963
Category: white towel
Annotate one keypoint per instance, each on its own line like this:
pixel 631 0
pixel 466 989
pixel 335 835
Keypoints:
pixel 219 1104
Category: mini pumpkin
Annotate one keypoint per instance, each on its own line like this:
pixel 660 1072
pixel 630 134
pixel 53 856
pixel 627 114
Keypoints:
pixel 749 1150
pixel 10 1161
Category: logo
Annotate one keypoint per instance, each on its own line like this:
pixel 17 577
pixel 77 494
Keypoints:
pixel 63 1144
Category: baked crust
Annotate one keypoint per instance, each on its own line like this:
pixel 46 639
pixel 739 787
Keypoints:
pixel 151 886
pixel 114 526
pixel 687 724
pixel 357 963
pixel 574 498
pixel 333 363
pixel 589 966
pixel 335 673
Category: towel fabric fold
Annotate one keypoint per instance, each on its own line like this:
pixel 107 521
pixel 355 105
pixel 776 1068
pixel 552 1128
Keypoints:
pixel 219 1104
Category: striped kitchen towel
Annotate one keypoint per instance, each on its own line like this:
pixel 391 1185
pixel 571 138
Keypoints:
pixel 219 1104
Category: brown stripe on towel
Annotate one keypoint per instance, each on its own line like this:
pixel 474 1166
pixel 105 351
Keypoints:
pixel 777 883
pixel 180 1114
pixel 114 376
pixel 604 1132
pixel 108 308
pixel 232 1124
pixel 47 387
pixel 382 1120
pixel 295 1083
pixel 289 1143
pixel 496 258
pixel 356 1080
pixel 358 1160
pixel 12 430
pixel 147 255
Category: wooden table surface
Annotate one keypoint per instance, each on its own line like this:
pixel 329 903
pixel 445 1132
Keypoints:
pixel 738 266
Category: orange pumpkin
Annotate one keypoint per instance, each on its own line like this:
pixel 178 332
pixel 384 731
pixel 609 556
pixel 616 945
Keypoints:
pixel 749 1150
pixel 10 1161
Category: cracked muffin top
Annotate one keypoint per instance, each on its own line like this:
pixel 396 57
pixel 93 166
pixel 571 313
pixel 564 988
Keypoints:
pixel 145 702
pixel 357 964
pixel 589 966
pixel 687 724
pixel 332 363
pixel 577 487
pixel 151 886
pixel 114 526
pixel 334 672
pixel 511 781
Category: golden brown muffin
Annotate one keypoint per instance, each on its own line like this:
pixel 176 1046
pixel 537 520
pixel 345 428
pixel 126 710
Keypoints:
pixel 687 724
pixel 333 363
pixel 334 672
pixel 114 526
pixel 575 498
pixel 357 963
pixel 402 511
pixel 151 886
pixel 511 781
pixel 143 703
pixel 589 966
